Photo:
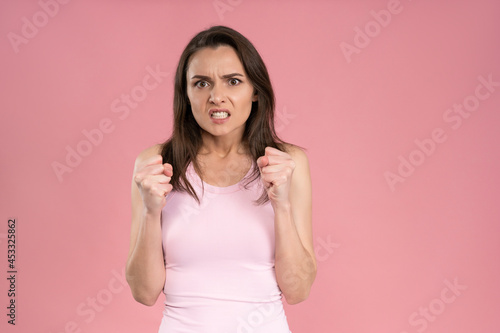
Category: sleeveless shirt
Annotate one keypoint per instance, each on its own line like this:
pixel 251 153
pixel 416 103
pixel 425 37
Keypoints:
pixel 219 261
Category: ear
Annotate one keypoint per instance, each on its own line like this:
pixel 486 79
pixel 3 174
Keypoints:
pixel 255 97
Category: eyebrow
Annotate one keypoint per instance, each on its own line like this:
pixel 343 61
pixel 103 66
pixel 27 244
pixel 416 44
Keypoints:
pixel 226 76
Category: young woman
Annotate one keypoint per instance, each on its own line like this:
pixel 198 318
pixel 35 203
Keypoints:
pixel 221 212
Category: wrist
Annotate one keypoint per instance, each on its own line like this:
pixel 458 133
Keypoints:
pixel 283 206
pixel 149 215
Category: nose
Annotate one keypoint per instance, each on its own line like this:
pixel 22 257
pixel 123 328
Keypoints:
pixel 217 95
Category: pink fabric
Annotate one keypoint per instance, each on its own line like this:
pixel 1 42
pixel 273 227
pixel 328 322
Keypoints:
pixel 219 259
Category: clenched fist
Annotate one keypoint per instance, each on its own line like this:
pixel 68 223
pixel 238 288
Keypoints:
pixel 276 169
pixel 153 180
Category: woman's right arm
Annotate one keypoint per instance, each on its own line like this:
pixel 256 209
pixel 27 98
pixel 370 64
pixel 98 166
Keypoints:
pixel 145 269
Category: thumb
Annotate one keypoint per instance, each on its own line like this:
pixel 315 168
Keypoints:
pixel 262 161
pixel 167 170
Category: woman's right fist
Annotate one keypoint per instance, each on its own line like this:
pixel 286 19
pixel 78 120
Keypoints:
pixel 153 180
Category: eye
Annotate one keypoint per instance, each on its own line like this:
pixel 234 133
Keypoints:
pixel 234 82
pixel 201 84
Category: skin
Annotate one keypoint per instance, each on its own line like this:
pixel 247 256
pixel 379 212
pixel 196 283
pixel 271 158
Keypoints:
pixel 213 90
pixel 216 79
pixel 285 175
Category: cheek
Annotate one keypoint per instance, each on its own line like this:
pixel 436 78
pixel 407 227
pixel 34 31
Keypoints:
pixel 195 98
pixel 190 94
pixel 244 98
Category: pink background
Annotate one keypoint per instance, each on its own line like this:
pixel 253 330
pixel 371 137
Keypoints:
pixel 392 250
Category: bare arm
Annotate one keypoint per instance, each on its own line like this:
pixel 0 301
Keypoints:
pixel 287 179
pixel 295 259
pixel 145 269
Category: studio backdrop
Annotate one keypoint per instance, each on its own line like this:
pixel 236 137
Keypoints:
pixel 397 103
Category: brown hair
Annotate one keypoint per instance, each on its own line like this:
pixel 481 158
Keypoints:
pixel 183 146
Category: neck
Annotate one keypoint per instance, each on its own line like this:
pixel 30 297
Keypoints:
pixel 222 146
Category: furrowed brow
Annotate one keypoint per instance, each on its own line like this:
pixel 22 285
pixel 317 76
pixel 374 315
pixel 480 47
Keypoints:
pixel 226 76
pixel 203 77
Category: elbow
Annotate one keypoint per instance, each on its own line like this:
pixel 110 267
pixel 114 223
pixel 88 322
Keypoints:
pixel 300 290
pixel 142 294
pixel 297 297
pixel 145 300
pixel 144 297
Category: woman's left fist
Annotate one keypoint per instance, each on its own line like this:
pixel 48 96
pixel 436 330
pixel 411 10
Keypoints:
pixel 276 169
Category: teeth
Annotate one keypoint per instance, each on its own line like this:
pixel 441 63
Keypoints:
pixel 220 115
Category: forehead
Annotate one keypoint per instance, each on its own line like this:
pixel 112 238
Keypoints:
pixel 220 59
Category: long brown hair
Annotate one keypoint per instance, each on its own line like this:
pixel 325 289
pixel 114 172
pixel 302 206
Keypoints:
pixel 183 146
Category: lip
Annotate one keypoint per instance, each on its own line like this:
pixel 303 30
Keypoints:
pixel 217 110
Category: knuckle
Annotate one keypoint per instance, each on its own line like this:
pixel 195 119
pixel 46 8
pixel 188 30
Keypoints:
pixel 147 183
pixel 155 189
pixel 137 178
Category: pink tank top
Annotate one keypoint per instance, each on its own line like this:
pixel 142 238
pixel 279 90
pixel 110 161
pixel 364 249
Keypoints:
pixel 219 259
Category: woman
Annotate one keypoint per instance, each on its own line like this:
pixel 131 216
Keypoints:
pixel 221 212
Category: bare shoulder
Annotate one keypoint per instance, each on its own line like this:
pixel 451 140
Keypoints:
pixel 301 177
pixel 148 152
pixel 298 155
pixel 301 197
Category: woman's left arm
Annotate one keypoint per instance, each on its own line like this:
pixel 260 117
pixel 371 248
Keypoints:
pixel 287 179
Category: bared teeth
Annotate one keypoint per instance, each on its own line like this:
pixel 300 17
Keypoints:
pixel 220 114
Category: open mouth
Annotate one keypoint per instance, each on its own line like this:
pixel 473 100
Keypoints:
pixel 219 115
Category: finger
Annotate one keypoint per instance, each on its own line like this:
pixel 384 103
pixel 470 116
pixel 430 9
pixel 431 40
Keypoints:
pixel 274 160
pixel 274 168
pixel 168 170
pixel 275 178
pixel 266 183
pixel 153 169
pixel 263 179
pixel 155 159
pixel 168 189
pixel 150 182
pixel 161 189
pixel 158 179
pixel 262 161
pixel 274 152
